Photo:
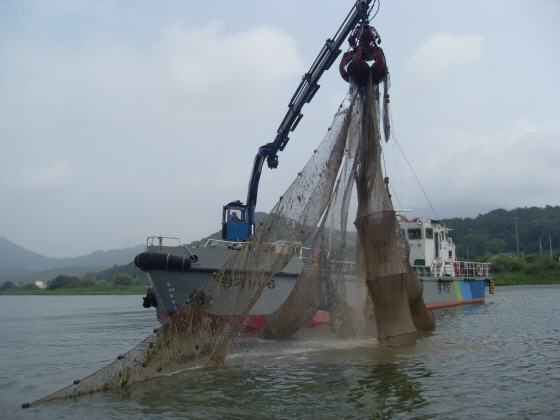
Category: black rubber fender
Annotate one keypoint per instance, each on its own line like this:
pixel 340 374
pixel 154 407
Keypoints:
pixel 147 261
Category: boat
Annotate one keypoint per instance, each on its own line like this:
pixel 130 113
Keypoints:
pixel 176 272
pixel 269 279
pixel 447 281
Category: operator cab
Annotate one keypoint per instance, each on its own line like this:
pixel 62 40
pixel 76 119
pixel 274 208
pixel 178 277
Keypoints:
pixel 235 223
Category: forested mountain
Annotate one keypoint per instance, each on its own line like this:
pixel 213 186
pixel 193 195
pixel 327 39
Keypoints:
pixel 18 264
pixel 492 233
pixel 12 255
pixel 487 234
pixel 495 232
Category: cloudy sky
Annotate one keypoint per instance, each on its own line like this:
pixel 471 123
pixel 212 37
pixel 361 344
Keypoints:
pixel 124 119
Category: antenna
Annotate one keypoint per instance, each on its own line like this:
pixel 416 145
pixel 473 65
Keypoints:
pixel 516 233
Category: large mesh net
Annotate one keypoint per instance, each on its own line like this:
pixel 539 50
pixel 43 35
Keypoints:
pixel 339 265
pixel 390 281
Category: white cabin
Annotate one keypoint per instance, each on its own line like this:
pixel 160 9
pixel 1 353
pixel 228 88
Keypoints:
pixel 432 251
pixel 430 247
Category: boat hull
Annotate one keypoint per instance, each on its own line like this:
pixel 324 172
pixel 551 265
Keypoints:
pixel 171 288
pixel 444 292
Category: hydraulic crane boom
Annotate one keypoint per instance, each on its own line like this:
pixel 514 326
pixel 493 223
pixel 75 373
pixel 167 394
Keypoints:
pixel 243 228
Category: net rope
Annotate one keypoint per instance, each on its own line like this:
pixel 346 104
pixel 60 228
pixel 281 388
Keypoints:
pixel 345 272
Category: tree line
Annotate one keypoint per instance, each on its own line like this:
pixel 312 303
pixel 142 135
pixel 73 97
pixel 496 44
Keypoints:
pixel 531 230
pixel 120 280
pixel 538 267
pixel 496 232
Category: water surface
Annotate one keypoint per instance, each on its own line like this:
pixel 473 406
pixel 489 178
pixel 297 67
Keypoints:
pixel 498 360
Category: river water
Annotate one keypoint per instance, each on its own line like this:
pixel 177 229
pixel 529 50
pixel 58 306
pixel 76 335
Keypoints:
pixel 498 360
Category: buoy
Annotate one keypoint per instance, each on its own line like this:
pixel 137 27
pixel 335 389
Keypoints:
pixel 25 405
pixel 76 381
pixel 121 356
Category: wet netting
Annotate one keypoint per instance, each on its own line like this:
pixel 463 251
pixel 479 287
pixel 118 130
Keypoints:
pixel 394 289
pixel 342 262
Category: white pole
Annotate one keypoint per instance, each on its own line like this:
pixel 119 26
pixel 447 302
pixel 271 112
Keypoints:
pixel 516 234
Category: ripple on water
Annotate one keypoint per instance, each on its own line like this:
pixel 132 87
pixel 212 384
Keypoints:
pixel 500 360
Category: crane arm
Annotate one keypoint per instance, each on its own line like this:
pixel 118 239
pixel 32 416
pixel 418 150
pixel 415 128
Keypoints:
pixel 241 230
pixel 303 94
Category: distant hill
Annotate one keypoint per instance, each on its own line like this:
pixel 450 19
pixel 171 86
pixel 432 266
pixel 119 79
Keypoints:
pixel 490 233
pixel 495 231
pixel 21 275
pixel 18 264
pixel 461 210
pixel 12 255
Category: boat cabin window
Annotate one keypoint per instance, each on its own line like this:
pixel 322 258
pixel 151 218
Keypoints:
pixel 237 215
pixel 429 233
pixel 415 233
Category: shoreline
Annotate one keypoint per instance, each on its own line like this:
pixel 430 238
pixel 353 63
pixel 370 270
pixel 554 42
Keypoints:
pixel 133 290
pixel 502 280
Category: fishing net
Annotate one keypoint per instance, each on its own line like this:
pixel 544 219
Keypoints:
pixel 338 265
pixel 390 281
pixel 330 282
pixel 201 332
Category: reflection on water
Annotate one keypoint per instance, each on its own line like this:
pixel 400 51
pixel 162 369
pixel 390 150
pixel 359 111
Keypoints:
pixel 313 383
pixel 390 389
pixel 499 360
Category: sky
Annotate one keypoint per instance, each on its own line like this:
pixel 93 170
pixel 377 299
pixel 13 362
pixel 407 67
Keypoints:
pixel 125 119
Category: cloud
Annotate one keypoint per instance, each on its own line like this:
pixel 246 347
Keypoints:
pixel 528 157
pixel 204 62
pixel 49 175
pixel 121 122
pixel 466 137
pixel 192 87
pixel 439 55
pixel 102 122
pixel 514 166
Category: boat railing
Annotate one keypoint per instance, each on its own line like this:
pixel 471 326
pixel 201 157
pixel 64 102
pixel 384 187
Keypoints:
pixel 158 243
pixel 349 267
pixel 272 247
pixel 223 244
pixel 440 268
pixel 471 269
pixel 422 271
